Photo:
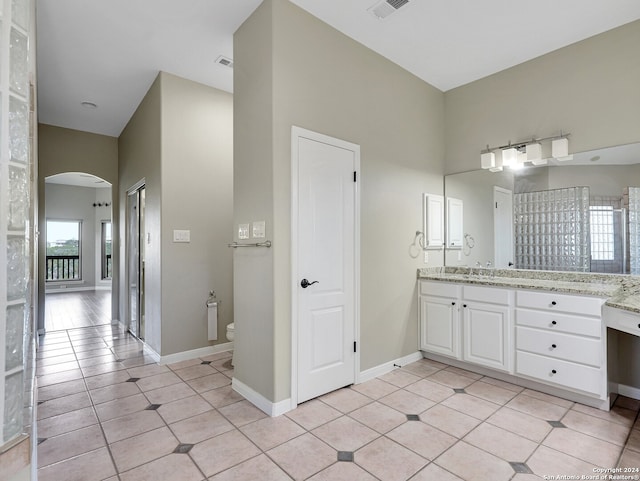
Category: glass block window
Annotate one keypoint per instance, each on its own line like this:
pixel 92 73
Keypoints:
pixel 16 226
pixel 601 218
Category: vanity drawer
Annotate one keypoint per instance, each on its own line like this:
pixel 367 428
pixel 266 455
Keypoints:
pixel 589 306
pixel 492 295
pixel 584 350
pixel 440 289
pixel 567 374
pixel 585 326
pixel 621 320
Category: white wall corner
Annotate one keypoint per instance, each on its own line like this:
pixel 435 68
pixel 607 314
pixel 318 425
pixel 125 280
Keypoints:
pixel 259 401
pixel 194 353
pixel 382 369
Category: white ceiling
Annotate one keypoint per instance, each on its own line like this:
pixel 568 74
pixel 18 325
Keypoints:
pixel 110 51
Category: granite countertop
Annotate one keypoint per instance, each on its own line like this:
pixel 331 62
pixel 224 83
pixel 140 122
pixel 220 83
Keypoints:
pixel 620 291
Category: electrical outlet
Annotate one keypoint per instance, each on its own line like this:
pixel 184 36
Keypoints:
pixel 243 231
pixel 426 257
pixel 258 229
pixel 181 235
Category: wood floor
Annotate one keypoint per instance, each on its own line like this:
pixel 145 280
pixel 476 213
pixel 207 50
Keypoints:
pixel 70 310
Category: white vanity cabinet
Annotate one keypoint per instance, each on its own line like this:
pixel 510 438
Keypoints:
pixel 560 340
pixel 439 319
pixel 486 337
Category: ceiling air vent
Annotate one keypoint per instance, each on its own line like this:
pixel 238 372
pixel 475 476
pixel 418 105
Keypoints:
pixel 385 8
pixel 226 61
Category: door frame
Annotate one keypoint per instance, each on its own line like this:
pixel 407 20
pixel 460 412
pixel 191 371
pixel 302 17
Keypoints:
pixel 296 133
pixel 131 190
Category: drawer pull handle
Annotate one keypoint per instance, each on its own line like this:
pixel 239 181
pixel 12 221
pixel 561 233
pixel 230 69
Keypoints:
pixel 638 326
pixel 554 323
pixel 453 303
pixel 464 305
pixel 553 371
pixel 553 346
pixel 553 303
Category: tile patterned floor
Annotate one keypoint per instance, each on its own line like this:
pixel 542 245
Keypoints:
pixel 68 310
pixel 108 412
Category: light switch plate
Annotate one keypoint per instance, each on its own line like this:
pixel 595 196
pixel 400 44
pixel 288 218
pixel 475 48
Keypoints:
pixel 243 231
pixel 258 229
pixel 181 235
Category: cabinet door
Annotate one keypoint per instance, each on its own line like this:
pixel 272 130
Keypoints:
pixel 434 221
pixel 439 325
pixel 486 335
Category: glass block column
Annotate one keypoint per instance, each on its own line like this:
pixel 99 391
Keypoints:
pixel 634 230
pixel 15 224
pixel 552 230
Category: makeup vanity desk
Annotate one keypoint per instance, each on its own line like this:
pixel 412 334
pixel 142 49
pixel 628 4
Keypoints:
pixel 539 329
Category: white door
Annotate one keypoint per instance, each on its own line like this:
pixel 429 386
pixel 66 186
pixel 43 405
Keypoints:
pixel 325 255
pixel 503 227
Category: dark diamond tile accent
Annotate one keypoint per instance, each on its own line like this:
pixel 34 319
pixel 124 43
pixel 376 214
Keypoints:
pixel 205 362
pixel 41 440
pixel 556 424
pixel 521 468
pixel 152 407
pixel 133 379
pixel 119 360
pixel 413 417
pixel 183 448
pixel 41 402
pixel 459 391
pixel 345 456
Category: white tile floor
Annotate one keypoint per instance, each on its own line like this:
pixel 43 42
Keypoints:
pixel 108 412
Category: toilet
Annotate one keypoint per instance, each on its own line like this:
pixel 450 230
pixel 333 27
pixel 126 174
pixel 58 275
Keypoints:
pixel 230 334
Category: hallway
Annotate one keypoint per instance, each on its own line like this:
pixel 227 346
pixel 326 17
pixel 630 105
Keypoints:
pixel 70 310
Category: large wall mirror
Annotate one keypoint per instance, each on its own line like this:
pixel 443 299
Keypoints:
pixel 578 215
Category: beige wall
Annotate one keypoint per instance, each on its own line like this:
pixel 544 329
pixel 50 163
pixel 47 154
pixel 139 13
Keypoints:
pixel 326 82
pixel 64 150
pixel 253 200
pixel 589 89
pixel 179 141
pixel 197 194
pixel 140 150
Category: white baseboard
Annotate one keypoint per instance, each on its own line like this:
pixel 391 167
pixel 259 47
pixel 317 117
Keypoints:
pixel 69 288
pixel 259 401
pixel 192 354
pixel 149 351
pixel 388 367
pixel 103 287
pixel 628 391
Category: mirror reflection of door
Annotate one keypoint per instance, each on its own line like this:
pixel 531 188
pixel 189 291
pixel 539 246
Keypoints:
pixel 135 261
pixel 503 227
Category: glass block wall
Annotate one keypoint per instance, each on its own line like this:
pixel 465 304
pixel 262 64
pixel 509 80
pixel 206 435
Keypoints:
pixel 552 230
pixel 634 229
pixel 15 213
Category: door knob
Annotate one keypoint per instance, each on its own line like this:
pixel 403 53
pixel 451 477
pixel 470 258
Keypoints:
pixel 304 283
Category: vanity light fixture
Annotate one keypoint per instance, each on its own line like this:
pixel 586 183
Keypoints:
pixel 560 148
pixel 488 159
pixel 517 154
pixel 509 156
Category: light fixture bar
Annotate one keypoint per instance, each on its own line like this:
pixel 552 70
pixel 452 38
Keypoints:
pixel 524 143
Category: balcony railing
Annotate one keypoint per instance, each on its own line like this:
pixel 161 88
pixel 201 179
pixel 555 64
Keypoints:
pixel 106 266
pixel 63 268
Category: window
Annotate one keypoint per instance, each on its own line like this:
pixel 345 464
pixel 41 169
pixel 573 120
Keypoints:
pixel 602 232
pixel 63 250
pixel 106 249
